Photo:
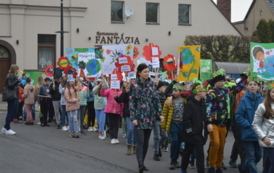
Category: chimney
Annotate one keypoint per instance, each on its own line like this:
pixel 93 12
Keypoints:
pixel 225 7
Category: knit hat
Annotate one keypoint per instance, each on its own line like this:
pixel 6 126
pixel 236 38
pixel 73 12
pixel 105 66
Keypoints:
pixel 161 83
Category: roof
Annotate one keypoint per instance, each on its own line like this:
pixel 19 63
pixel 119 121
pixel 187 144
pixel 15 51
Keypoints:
pixel 231 67
pixel 271 4
pixel 226 18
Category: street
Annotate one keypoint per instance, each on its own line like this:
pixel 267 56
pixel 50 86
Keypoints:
pixel 36 149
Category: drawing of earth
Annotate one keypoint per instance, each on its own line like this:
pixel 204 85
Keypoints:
pixel 93 67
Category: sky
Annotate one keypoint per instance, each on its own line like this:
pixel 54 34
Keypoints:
pixel 239 9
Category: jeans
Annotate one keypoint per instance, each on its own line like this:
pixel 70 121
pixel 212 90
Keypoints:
pixel 142 139
pixel 101 119
pixel 73 121
pixel 159 137
pixel 64 115
pixel 268 162
pixel 130 134
pixel 124 125
pixel 56 107
pixel 253 156
pixel 176 132
pixel 238 146
pixel 82 113
pixel 12 110
pixel 113 123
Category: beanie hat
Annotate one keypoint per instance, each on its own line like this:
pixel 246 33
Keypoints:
pixel 162 83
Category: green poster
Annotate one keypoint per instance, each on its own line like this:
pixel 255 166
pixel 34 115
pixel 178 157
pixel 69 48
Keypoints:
pixel 262 60
pixel 205 69
pixel 33 75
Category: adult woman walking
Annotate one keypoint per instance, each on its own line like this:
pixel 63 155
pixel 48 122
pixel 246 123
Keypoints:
pixel 145 107
pixel 11 83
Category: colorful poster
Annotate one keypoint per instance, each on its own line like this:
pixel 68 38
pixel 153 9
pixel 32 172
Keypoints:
pixel 84 61
pixel 262 60
pixel 189 62
pixel 205 69
pixel 33 75
pixel 118 57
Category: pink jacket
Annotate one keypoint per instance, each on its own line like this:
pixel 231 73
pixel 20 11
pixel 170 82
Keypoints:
pixel 72 101
pixel 112 106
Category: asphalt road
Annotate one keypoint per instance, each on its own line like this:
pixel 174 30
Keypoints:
pixel 36 149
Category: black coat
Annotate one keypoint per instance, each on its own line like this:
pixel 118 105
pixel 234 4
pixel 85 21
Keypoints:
pixel 55 94
pixel 124 98
pixel 194 120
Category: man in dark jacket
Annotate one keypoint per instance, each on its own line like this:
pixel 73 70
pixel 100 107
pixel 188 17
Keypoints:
pixel 194 134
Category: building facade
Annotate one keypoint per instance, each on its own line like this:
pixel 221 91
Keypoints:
pixel 259 9
pixel 28 32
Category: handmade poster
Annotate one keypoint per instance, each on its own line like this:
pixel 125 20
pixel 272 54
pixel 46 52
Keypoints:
pixel 205 69
pixel 49 71
pixel 112 55
pixel 169 63
pixel 84 61
pixel 63 62
pixel 33 75
pixel 115 84
pixel 262 60
pixel 150 51
pixel 189 62
pixel 132 75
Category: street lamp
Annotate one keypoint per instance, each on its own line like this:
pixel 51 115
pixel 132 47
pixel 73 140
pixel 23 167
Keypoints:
pixel 61 32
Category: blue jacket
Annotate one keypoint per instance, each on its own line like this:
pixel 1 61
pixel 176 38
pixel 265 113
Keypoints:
pixel 245 115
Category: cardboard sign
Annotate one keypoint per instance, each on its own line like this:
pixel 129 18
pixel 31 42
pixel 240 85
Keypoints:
pixel 155 62
pixel 123 60
pixel 115 84
pixel 155 51
pixel 125 68
pixel 114 77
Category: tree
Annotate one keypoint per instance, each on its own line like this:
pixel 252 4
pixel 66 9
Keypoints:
pixel 82 66
pixel 271 26
pixel 222 47
pixel 263 32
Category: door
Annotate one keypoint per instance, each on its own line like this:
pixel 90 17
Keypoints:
pixel 5 62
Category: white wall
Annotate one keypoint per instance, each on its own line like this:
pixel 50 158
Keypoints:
pixel 90 16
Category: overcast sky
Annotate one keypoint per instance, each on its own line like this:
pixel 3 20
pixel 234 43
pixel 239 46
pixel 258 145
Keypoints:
pixel 239 9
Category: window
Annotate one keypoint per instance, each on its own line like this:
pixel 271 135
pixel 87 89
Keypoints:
pixel 184 14
pixel 46 50
pixel 4 53
pixel 117 11
pixel 152 13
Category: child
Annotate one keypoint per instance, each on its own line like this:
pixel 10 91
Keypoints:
pixel 56 97
pixel 194 119
pixel 159 135
pixel 244 117
pixel 173 122
pixel 263 127
pixel 45 101
pixel 113 111
pixel 29 95
pixel 64 118
pixel 99 106
pixel 83 94
pixel 72 107
pixel 217 118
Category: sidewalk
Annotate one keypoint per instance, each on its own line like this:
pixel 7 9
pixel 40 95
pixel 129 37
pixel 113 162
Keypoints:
pixel 3 105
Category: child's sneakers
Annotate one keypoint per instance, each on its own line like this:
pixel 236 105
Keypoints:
pixel 10 132
pixel 90 129
pixel 233 164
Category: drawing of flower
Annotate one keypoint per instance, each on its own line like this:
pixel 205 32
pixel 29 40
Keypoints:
pixel 128 47
pixel 148 51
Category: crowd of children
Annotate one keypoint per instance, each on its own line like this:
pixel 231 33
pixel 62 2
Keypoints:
pixel 181 114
